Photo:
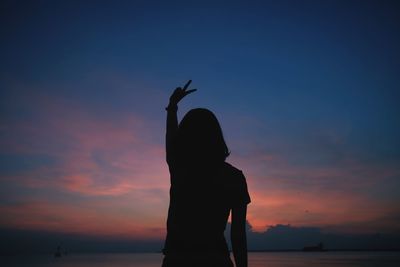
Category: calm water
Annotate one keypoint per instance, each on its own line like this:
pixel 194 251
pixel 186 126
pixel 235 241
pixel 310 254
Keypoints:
pixel 267 259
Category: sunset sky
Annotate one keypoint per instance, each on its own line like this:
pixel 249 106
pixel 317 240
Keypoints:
pixel 307 94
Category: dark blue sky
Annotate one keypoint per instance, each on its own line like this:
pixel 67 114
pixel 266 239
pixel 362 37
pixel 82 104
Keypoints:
pixel 309 59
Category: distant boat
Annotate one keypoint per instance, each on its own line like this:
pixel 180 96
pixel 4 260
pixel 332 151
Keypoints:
pixel 319 247
pixel 57 254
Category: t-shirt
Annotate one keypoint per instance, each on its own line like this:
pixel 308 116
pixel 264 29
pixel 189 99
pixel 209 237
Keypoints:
pixel 200 203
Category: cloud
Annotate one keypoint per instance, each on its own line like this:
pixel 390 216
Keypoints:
pixel 25 242
pixel 288 237
pixel 316 178
pixel 95 217
pixel 73 169
pixel 90 154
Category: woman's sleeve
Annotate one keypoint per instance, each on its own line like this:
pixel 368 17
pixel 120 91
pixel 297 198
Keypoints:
pixel 241 194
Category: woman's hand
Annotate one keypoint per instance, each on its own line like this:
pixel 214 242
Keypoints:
pixel 180 93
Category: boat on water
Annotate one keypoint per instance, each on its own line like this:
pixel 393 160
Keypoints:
pixel 319 247
pixel 58 254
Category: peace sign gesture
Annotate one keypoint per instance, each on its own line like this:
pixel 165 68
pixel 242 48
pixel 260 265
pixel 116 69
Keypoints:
pixel 180 93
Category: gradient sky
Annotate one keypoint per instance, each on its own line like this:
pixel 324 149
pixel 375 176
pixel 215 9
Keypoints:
pixel 307 93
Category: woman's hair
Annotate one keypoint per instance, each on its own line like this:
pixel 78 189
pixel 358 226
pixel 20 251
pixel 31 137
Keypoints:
pixel 200 139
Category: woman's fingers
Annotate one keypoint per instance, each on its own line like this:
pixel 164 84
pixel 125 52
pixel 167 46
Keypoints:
pixel 190 91
pixel 180 92
pixel 187 85
pixel 185 91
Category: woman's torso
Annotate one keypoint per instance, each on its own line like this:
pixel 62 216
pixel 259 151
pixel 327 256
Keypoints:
pixel 200 202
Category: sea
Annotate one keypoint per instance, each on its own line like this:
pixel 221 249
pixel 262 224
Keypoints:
pixel 256 259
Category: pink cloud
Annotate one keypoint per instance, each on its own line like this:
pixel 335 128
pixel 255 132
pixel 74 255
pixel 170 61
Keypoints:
pixel 94 155
pixel 324 209
pixel 111 160
pixel 328 196
pixel 90 218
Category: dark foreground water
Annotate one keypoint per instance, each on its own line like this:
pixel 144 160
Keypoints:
pixel 256 259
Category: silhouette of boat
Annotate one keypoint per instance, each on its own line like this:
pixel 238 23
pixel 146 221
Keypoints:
pixel 319 247
pixel 57 254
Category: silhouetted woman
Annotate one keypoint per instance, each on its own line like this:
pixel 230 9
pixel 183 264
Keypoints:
pixel 204 190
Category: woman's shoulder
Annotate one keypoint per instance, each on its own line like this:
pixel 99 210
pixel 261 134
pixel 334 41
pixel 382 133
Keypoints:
pixel 235 182
pixel 230 167
pixel 231 171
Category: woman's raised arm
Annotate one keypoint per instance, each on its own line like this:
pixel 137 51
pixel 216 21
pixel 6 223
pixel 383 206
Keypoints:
pixel 172 119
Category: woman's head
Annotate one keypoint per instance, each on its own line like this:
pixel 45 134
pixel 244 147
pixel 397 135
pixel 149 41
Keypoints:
pixel 200 138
